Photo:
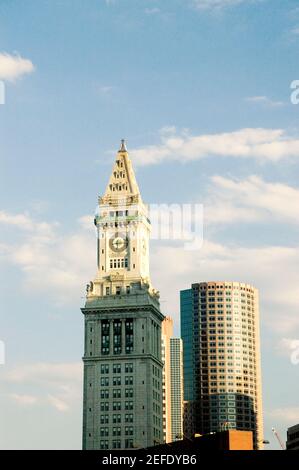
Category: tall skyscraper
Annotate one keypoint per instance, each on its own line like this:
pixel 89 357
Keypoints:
pixel 167 333
pixel 222 371
pixel 122 358
pixel 177 389
pixel 172 358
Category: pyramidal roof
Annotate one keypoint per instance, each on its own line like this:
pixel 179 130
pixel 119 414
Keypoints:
pixel 122 182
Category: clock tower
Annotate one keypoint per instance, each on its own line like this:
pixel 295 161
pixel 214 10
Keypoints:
pixel 122 359
pixel 123 231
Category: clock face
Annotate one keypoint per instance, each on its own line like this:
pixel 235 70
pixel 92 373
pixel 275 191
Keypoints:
pixel 118 243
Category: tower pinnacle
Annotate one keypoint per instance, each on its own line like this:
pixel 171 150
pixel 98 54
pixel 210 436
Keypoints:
pixel 123 147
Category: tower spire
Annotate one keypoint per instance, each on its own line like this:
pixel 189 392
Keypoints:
pixel 122 181
pixel 123 147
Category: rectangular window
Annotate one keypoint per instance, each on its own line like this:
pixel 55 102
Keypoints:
pixel 104 394
pixel 129 431
pixel 116 444
pixel 105 337
pixel 116 431
pixel 129 443
pixel 104 432
pixel 117 333
pixel 116 381
pixel 116 368
pixel 129 335
pixel 116 419
pixel 104 369
pixel 105 406
pixel 128 368
pixel 104 445
pixel 104 419
pixel 129 418
pixel 117 393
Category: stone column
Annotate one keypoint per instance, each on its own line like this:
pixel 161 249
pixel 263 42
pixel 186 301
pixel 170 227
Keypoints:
pixel 98 336
pixel 123 336
pixel 99 246
pixel 111 345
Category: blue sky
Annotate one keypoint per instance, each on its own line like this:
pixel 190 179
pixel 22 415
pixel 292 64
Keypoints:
pixel 201 91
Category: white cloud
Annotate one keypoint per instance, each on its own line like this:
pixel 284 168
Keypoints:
pixel 258 143
pixel 58 403
pixel 58 385
pixel 46 372
pixel 152 11
pixel 216 4
pixel 52 263
pixel 45 398
pixel 215 261
pixel 25 222
pixel 86 222
pixel 167 130
pixel 286 346
pixel 251 200
pixel 14 66
pixel 24 400
pixel 289 415
pixel 265 100
pixel 105 89
pixel 61 265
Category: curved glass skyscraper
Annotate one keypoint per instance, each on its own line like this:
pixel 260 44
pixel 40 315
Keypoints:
pixel 222 374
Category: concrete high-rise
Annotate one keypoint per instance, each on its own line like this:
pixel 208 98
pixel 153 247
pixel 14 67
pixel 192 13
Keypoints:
pixel 222 369
pixel 122 358
pixel 173 400
pixel 167 333
pixel 177 389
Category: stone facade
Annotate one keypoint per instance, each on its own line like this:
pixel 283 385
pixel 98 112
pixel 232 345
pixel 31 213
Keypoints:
pixel 167 333
pixel 177 389
pixel 122 358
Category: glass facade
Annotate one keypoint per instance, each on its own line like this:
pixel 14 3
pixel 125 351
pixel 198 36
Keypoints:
pixel 219 328
pixel 187 335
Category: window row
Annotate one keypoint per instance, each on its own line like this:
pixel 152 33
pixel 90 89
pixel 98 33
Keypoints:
pixel 117 393
pixel 116 444
pixel 117 431
pixel 116 418
pixel 116 368
pixel 117 406
pixel 105 381
pixel 119 263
